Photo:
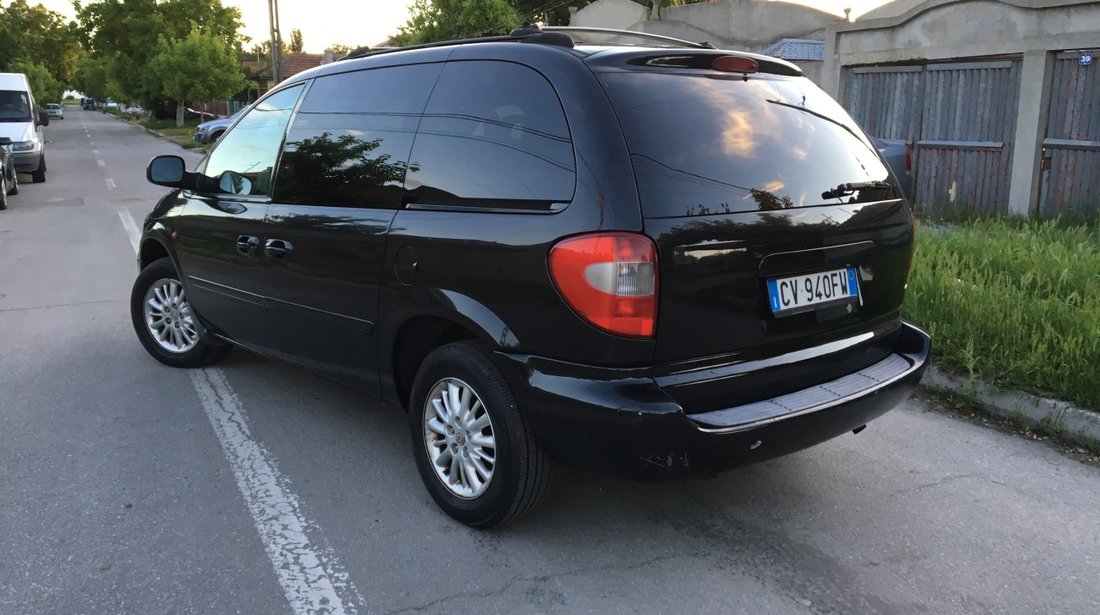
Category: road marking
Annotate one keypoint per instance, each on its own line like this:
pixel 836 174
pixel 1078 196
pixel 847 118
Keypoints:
pixel 313 579
pixel 110 183
pixel 95 151
pixel 132 230
pixel 101 163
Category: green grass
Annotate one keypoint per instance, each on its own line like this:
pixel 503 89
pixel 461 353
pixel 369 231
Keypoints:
pixel 1014 302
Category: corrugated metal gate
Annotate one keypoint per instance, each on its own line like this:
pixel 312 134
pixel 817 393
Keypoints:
pixel 960 118
pixel 1070 179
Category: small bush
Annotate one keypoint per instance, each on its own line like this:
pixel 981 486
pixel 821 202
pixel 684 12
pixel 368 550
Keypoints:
pixel 1014 302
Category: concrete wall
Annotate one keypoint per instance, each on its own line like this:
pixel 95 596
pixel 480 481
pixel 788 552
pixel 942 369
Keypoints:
pixel 937 30
pixel 618 14
pixel 733 24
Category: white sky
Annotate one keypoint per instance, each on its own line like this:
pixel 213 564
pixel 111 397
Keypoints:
pixel 368 22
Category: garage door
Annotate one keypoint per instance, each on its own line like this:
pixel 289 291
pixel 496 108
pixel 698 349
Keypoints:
pixel 1070 178
pixel 960 118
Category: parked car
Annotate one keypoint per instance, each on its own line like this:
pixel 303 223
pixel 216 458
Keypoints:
pixel 55 111
pixel 87 104
pixel 212 130
pixel 658 259
pixel 21 121
pixel 9 178
pixel 110 103
pixel 899 156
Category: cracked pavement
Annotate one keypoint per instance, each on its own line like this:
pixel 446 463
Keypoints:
pixel 116 497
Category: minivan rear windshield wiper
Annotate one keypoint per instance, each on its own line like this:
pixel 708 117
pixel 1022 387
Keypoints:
pixel 844 189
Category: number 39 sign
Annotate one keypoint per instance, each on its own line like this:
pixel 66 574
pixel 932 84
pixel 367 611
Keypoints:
pixel 1084 58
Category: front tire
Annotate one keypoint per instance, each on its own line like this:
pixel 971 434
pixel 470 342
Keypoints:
pixel 13 184
pixel 476 456
pixel 39 175
pixel 165 323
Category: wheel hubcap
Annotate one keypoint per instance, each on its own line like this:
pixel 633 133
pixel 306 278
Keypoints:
pixel 459 437
pixel 168 316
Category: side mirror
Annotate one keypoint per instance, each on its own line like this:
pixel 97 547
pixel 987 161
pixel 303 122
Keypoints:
pixel 234 183
pixel 166 171
pixel 43 118
pixel 5 141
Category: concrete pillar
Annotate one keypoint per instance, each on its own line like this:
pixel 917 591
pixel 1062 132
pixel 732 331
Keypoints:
pixel 1023 188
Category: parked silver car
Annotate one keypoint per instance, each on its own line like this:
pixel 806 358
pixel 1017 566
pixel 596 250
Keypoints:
pixel 209 132
pixel 55 111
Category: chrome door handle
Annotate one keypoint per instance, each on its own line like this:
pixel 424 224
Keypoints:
pixel 278 249
pixel 247 245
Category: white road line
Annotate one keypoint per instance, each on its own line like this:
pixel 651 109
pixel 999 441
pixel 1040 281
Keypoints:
pixel 312 578
pixel 132 230
pixel 110 183
pixel 95 151
pixel 101 163
pixel 312 581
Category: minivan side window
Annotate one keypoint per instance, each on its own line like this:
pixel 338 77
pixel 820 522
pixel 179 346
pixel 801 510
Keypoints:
pixel 493 133
pixel 350 140
pixel 244 159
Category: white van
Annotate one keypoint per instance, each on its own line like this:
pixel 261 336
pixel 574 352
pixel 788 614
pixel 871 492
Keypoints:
pixel 22 122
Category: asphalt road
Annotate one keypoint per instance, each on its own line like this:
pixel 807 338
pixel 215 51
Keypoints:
pixel 125 489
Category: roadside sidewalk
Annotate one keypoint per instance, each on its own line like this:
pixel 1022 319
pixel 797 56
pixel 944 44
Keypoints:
pixel 1065 419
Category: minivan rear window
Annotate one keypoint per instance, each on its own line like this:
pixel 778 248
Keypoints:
pixel 704 143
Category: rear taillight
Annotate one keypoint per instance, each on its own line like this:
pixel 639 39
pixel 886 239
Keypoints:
pixel 610 279
pixel 908 158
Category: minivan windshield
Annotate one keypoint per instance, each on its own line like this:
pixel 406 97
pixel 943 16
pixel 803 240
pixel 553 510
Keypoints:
pixel 15 106
pixel 707 143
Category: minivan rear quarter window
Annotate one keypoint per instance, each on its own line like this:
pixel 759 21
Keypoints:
pixel 718 143
pixel 493 133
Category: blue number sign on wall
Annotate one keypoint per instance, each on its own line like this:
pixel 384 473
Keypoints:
pixel 1084 58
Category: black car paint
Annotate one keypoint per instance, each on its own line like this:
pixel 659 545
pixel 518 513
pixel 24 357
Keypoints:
pixel 443 272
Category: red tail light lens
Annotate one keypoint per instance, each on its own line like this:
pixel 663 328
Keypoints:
pixel 908 158
pixel 735 64
pixel 610 279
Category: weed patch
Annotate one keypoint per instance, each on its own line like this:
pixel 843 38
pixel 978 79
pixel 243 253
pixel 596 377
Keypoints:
pixel 1016 303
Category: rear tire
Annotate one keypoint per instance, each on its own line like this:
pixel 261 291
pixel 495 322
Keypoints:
pixel 39 175
pixel 165 323
pixel 13 187
pixel 462 409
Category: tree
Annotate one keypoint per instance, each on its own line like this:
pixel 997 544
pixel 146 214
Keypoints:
pixel 199 67
pixel 35 35
pixel 92 78
pixel 296 44
pixel 439 20
pixel 125 34
pixel 45 87
pixel 340 49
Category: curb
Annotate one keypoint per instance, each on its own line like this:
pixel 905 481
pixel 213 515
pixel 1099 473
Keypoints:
pixel 1062 417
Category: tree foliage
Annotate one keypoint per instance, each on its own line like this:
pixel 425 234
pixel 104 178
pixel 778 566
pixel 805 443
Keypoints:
pixel 45 87
pixel 439 20
pixel 34 38
pixel 125 36
pixel 297 45
pixel 200 66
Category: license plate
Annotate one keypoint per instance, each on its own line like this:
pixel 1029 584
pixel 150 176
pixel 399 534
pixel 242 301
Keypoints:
pixel 801 293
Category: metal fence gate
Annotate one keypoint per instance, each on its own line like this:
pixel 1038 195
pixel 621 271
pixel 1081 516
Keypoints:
pixel 1070 176
pixel 960 118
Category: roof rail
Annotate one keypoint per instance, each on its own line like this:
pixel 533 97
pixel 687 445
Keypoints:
pixel 558 36
pixel 611 31
pixel 529 33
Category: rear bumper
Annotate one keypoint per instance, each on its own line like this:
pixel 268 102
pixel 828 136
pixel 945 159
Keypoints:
pixel 621 421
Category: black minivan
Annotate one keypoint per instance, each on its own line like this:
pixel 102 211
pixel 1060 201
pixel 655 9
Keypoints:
pixel 604 248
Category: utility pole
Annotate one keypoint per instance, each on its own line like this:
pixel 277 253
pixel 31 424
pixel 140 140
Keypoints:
pixel 273 18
